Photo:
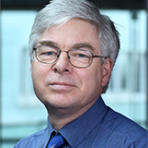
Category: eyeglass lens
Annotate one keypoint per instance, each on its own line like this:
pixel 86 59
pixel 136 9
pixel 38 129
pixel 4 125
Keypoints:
pixel 77 57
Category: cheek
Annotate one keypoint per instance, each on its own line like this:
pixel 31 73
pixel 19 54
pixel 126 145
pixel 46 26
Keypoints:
pixel 39 73
pixel 91 79
pixel 39 70
pixel 91 86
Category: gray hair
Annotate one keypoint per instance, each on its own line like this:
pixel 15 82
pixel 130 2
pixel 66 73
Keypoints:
pixel 61 11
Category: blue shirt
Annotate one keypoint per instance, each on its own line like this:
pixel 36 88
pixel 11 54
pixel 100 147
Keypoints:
pixel 99 127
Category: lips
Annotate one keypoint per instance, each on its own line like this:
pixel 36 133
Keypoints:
pixel 61 86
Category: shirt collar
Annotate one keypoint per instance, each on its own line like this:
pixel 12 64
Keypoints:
pixel 76 131
pixel 46 135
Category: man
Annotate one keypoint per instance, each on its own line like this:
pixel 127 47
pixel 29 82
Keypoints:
pixel 73 48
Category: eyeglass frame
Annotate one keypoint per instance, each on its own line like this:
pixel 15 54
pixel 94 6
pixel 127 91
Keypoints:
pixel 59 52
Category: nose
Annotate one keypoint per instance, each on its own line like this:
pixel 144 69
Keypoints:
pixel 63 65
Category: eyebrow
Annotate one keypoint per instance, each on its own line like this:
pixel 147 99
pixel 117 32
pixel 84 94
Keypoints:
pixel 48 43
pixel 77 45
pixel 83 45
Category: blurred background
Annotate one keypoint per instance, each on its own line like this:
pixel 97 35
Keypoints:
pixel 21 114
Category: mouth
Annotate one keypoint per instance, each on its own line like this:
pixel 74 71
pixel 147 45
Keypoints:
pixel 61 86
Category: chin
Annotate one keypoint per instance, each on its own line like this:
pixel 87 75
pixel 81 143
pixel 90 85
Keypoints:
pixel 58 103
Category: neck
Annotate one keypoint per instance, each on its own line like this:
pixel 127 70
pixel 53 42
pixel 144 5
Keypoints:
pixel 59 117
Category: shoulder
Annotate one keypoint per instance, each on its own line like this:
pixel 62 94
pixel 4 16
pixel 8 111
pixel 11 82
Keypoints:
pixel 121 127
pixel 122 124
pixel 114 131
pixel 31 141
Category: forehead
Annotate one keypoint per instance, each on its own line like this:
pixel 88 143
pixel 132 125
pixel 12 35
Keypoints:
pixel 72 32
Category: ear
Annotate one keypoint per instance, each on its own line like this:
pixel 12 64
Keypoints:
pixel 106 71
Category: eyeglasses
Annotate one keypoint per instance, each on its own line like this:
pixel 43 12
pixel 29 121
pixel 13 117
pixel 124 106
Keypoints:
pixel 79 58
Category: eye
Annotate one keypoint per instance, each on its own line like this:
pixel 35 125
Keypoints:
pixel 50 53
pixel 47 51
pixel 80 55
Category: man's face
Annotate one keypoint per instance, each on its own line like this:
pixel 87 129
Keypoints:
pixel 60 85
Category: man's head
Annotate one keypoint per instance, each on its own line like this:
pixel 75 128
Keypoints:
pixel 60 11
pixel 66 35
